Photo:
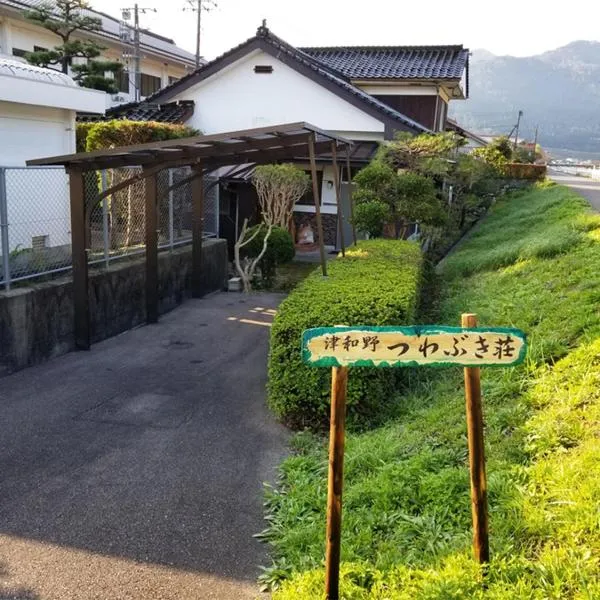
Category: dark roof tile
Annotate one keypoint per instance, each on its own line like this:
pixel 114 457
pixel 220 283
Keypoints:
pixel 393 62
pixel 172 112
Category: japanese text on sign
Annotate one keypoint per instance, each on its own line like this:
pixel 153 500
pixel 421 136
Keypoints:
pixel 406 346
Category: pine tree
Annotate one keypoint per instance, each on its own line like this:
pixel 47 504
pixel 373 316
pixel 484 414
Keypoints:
pixel 64 18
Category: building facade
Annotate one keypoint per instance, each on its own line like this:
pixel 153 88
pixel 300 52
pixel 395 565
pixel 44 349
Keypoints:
pixel 162 62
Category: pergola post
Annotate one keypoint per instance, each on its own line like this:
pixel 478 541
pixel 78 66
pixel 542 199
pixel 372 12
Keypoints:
pixel 350 199
pixel 338 199
pixel 197 230
pixel 151 249
pixel 79 259
pixel 317 200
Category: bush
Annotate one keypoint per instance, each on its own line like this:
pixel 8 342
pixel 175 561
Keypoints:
pixel 370 217
pixel 280 250
pixel 109 134
pixel 377 283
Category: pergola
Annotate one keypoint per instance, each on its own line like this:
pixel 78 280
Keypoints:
pixel 203 154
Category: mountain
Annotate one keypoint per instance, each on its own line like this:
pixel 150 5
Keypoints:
pixel 557 90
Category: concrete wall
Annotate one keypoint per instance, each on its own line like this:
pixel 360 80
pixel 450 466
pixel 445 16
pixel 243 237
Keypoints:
pixel 36 323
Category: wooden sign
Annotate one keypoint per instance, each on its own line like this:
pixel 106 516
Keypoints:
pixel 434 345
pixel 468 346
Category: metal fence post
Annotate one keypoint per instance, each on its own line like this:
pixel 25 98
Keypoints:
pixel 171 216
pixel 105 240
pixel 4 229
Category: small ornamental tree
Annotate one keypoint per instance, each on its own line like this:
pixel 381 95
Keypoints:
pixel 422 153
pixel 284 185
pixel 278 187
pixel 64 18
pixel 409 197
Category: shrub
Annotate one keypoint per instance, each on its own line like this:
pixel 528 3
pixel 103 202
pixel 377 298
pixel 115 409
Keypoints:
pixel 280 250
pixel 109 134
pixel 377 283
pixel 370 217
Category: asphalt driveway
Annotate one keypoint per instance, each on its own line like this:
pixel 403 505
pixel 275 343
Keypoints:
pixel 135 470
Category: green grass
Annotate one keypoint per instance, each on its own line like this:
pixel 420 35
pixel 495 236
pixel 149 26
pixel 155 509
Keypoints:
pixel 534 263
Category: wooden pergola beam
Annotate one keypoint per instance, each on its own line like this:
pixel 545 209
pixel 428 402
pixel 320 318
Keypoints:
pixel 350 195
pixel 338 193
pixel 204 154
pixel 79 260
pixel 197 231
pixel 317 201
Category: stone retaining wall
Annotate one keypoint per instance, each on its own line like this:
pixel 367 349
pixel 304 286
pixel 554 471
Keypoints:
pixel 36 322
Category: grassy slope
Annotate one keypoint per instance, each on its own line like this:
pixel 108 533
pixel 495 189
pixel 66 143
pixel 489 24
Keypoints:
pixel 533 264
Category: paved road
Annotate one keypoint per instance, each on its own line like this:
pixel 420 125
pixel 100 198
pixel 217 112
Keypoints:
pixel 588 188
pixel 135 471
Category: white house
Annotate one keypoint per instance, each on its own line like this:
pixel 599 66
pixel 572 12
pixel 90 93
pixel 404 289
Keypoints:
pixel 37 118
pixel 162 61
pixel 366 94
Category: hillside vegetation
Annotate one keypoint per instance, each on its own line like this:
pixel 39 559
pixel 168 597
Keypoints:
pixel 532 264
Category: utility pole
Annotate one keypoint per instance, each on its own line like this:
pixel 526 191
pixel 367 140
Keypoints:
pixel 199 6
pixel 136 55
pixel 517 130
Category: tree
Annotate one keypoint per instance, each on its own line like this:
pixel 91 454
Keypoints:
pixel 64 18
pixel 278 187
pixel 371 217
pixel 422 153
pixel 410 197
pixel 284 185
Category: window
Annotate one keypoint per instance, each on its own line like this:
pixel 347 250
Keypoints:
pixel 20 53
pixel 149 84
pixel 40 49
pixel 308 199
pixel 263 69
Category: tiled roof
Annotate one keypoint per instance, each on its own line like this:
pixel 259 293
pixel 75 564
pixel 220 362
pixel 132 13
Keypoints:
pixel 393 62
pixel 173 112
pixel 321 72
pixel 23 70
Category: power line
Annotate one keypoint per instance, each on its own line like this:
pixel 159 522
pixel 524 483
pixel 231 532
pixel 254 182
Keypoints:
pixel 198 6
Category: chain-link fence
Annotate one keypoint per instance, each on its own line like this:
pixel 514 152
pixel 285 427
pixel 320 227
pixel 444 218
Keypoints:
pixel 35 225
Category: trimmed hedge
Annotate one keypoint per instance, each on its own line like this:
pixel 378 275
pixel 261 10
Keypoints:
pixel 110 134
pixel 377 283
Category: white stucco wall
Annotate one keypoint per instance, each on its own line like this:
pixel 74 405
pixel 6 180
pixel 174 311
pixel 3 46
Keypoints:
pixel 28 132
pixel 38 199
pixel 237 98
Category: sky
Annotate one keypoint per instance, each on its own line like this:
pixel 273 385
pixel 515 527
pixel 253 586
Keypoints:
pixel 515 27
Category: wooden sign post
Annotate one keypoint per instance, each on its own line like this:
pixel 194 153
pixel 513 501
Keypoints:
pixel 467 346
pixel 335 480
pixel 479 509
